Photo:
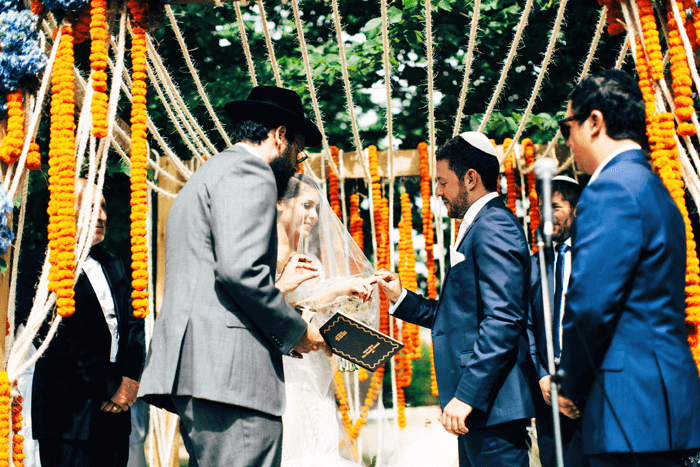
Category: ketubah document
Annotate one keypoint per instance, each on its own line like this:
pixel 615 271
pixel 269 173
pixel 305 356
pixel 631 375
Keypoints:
pixel 357 342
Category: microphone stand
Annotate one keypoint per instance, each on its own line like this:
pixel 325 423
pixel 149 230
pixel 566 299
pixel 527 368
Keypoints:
pixel 555 378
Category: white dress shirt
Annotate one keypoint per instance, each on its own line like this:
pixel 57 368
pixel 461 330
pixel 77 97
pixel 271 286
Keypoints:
pixel 93 271
pixel 467 221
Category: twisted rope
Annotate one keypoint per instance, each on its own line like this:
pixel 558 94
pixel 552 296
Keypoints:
pixel 195 75
pixel 244 43
pixel 270 47
pixel 506 65
pixel 469 58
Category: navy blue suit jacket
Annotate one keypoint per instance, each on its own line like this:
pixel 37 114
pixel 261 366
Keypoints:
pixel 538 337
pixel 625 305
pixel 479 324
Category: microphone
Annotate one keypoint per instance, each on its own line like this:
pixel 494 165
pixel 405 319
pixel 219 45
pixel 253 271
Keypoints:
pixel 545 169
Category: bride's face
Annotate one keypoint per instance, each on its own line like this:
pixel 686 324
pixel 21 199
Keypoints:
pixel 301 212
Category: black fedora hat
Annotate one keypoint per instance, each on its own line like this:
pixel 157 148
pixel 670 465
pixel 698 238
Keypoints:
pixel 270 103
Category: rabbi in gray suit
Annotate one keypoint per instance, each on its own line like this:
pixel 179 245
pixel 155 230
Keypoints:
pixel 216 355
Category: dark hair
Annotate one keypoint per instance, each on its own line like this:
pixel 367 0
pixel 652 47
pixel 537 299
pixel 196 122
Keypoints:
pixel 295 185
pixel 462 156
pixel 256 132
pixel 617 96
pixel 569 191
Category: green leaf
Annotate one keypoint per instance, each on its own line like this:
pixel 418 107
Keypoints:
pixel 3 266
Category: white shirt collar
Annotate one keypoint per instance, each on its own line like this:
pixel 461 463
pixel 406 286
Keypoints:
pixel 251 149
pixel 471 213
pixel 606 161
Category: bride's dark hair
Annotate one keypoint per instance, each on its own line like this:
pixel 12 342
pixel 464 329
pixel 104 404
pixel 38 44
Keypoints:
pixel 295 186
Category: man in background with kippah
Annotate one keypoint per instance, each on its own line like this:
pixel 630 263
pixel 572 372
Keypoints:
pixel 479 324
pixel 626 354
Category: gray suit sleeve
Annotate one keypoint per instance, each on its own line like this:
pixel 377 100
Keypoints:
pixel 243 215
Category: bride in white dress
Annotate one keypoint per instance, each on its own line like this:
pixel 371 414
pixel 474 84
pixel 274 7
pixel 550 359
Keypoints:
pixel 307 225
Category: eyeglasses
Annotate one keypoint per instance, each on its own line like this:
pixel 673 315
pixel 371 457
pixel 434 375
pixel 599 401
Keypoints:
pixel 566 129
pixel 303 157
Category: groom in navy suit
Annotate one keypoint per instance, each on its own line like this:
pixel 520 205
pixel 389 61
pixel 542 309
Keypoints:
pixel 479 323
pixel 625 343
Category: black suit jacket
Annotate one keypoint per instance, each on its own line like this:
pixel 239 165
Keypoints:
pixel 75 375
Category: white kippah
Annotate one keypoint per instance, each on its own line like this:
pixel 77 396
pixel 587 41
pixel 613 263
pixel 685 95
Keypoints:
pixel 479 141
pixel 564 178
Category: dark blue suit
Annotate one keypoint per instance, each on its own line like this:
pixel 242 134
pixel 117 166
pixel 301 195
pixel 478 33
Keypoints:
pixel 571 429
pixel 479 328
pixel 625 305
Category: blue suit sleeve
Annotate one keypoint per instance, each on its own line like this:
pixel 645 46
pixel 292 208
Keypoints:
pixel 502 261
pixel 417 310
pixel 607 241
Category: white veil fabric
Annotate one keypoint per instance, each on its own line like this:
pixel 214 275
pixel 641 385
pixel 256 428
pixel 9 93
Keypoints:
pixel 325 239
pixel 307 225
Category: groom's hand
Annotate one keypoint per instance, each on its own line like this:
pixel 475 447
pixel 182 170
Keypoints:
pixel 311 341
pixel 455 415
pixel 390 284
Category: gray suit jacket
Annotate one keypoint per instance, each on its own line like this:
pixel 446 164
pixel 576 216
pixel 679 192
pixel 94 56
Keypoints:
pixel 223 326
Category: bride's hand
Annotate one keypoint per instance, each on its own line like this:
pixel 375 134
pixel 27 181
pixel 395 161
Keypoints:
pixel 356 287
pixel 298 269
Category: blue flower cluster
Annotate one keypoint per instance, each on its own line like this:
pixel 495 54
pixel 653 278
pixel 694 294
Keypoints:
pixel 21 55
pixel 65 5
pixel 7 236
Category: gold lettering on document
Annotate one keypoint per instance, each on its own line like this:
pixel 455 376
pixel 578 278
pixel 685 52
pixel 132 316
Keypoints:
pixel 370 350
pixel 340 335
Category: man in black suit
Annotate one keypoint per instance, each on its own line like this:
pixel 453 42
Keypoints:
pixel 87 379
pixel 565 194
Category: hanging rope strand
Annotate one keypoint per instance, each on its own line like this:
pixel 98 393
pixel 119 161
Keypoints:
pixel 467 68
pixel 244 43
pixel 387 88
pixel 310 78
pixel 540 77
pixel 506 65
pixel 270 47
pixel 195 75
pixel 348 94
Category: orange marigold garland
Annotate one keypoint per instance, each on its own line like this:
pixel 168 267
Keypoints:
pixel 11 147
pixel 333 189
pixel 680 72
pixel 534 212
pixel 428 235
pixel 651 39
pixel 61 210
pixel 98 64
pixel 81 24
pixel 356 221
pixel 17 439
pixel 509 170
pixel 4 418
pixel 613 16
pixel 139 160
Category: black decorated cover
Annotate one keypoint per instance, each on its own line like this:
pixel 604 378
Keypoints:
pixel 357 342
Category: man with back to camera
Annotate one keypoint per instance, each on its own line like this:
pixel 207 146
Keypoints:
pixel 216 357
pixel 87 379
pixel 479 325
pixel 625 351
pixel 565 195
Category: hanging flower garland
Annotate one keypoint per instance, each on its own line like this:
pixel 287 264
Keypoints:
pixel 333 190
pixel 534 211
pixel 11 146
pixel 139 160
pixel 613 16
pixel 4 418
pixel 61 229
pixel 17 439
pixel 342 398
pixel 356 221
pixel 651 39
pixel 682 91
pixel 81 25
pixel 509 170
pixel 98 64
pixel 428 235
pixel 688 24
